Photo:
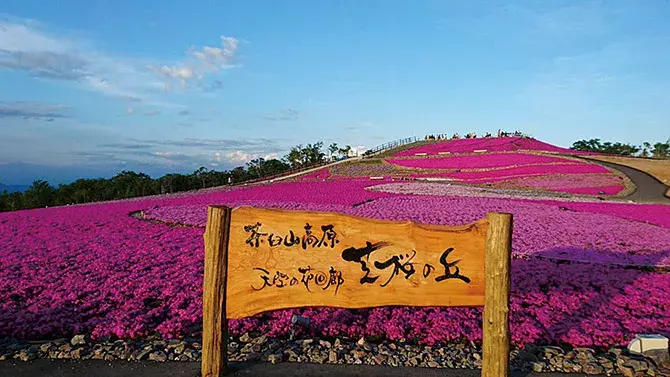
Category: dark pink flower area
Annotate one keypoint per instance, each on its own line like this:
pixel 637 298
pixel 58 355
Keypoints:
pixel 478 161
pixel 502 144
pixel 93 268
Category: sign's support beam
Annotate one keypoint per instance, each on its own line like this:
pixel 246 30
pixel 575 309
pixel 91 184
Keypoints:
pixel 214 320
pixel 496 337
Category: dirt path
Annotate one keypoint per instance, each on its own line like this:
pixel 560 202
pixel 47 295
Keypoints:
pixel 99 368
pixel 649 189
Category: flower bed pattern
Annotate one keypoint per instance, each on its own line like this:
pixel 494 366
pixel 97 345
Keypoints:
pixel 479 161
pixel 503 144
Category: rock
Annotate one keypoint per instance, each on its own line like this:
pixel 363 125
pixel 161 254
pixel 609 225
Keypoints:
pixel 332 357
pixel 551 351
pixel 275 358
pixel 358 354
pixel 616 351
pixel 592 368
pixel 570 366
pixel 77 353
pixel 245 338
pixel 45 347
pixel 324 343
pixel 659 357
pixel 538 366
pixel 361 342
pixel 78 340
pixel 637 365
pixel 526 356
pixel 626 371
pixel 179 349
pixel 433 364
pixel 24 355
pixel 157 356
pixel 260 340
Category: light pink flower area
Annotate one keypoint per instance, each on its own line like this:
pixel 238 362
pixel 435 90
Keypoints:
pixel 522 170
pixel 478 161
pixel 502 144
pixel 93 268
pixel 588 184
pixel 506 172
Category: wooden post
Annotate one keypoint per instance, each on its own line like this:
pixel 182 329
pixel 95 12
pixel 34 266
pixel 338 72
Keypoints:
pixel 214 320
pixel 496 338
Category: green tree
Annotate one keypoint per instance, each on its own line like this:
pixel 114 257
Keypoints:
pixel 661 150
pixel 39 194
pixel 333 149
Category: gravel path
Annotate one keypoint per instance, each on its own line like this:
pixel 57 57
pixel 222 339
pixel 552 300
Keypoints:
pixel 251 355
pixel 649 189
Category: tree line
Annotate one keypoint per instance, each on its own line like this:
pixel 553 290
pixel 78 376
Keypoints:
pixel 656 150
pixel 129 184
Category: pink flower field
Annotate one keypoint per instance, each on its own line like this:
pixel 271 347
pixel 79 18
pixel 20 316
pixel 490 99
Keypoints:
pixel 478 161
pixel 584 272
pixel 502 144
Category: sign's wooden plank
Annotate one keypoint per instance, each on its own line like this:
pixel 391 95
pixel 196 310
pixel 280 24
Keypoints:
pixel 284 259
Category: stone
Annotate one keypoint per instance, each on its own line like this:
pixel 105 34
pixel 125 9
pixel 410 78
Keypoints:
pixel 158 356
pixel 658 356
pixel 637 365
pixel 626 371
pixel 260 340
pixel 77 353
pixel 592 368
pixel 538 366
pixel 245 338
pixel 332 357
pixel 616 351
pixel 324 343
pixel 78 340
pixel 570 366
pixel 275 358
pixel 361 342
pixel 553 351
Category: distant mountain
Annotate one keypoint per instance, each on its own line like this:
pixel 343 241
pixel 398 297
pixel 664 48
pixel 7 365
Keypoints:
pixel 13 188
pixel 22 174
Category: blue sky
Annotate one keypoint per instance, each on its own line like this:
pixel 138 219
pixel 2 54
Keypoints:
pixel 163 86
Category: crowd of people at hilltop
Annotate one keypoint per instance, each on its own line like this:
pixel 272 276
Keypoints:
pixel 473 135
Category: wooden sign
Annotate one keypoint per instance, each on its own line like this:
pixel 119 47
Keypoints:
pixel 259 260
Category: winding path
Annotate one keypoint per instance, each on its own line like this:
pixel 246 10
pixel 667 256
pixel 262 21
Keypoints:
pixel 648 189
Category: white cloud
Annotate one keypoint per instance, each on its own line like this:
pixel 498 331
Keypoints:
pixel 205 60
pixel 27 46
pixel 285 115
pixel 152 112
pixel 241 157
pixel 31 110
pixel 130 111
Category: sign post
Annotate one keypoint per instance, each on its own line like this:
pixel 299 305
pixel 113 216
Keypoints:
pixel 258 260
